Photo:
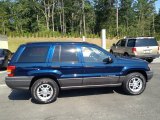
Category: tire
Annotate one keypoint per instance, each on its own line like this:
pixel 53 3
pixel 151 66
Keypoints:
pixel 132 88
pixel 126 55
pixel 48 94
pixel 149 60
pixel 111 51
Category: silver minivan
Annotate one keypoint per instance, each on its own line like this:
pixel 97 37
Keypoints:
pixel 142 47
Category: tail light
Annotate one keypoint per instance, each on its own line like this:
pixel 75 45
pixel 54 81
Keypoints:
pixel 134 50
pixel 10 70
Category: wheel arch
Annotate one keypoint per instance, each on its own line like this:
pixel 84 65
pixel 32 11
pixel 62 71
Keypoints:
pixel 126 53
pixel 34 79
pixel 139 71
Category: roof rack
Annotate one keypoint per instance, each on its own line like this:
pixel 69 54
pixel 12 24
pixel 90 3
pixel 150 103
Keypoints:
pixel 138 37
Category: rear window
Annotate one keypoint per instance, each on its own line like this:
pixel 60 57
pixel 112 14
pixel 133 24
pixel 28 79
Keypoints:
pixel 34 54
pixel 146 42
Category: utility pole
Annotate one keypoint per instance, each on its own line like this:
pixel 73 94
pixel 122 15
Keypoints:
pixel 117 16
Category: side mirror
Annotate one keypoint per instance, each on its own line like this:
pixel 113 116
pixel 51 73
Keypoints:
pixel 108 60
pixel 114 44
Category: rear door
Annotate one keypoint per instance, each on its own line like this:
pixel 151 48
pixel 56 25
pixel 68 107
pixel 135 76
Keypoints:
pixel 29 58
pixel 67 61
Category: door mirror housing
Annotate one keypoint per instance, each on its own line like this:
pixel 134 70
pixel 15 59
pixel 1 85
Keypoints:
pixel 108 60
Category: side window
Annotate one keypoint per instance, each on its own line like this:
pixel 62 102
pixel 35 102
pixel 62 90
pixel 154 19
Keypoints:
pixel 69 53
pixel 123 43
pixel 91 54
pixel 131 43
pixel 56 54
pixel 34 54
pixel 118 43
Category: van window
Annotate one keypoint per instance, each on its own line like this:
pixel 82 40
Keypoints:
pixel 146 42
pixel 34 54
pixel 131 43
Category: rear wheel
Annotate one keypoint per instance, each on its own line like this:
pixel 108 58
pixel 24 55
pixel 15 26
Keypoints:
pixel 134 84
pixel 149 60
pixel 44 90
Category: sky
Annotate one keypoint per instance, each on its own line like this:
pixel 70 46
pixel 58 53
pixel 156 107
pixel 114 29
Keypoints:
pixel 157 5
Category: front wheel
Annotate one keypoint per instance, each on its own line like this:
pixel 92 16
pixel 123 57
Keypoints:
pixel 134 84
pixel 44 91
pixel 149 60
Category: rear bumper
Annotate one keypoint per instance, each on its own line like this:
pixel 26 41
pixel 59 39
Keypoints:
pixel 148 56
pixel 149 75
pixel 18 82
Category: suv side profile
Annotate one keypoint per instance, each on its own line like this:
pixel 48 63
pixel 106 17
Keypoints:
pixel 142 47
pixel 45 68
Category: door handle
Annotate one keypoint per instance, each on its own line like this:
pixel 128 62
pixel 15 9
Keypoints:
pixel 55 66
pixel 89 66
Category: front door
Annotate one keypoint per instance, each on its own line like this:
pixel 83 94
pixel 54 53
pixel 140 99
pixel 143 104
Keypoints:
pixel 97 72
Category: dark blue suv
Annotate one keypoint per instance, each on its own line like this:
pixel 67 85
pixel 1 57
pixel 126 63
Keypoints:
pixel 44 68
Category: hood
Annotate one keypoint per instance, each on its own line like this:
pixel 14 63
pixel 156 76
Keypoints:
pixel 131 61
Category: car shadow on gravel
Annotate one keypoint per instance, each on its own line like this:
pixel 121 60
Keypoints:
pixel 19 95
pixel 89 91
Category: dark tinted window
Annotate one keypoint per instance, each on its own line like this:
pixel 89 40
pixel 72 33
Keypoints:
pixel 56 54
pixel 68 54
pixel 123 42
pixel 34 54
pixel 1 52
pixel 131 43
pixel 146 42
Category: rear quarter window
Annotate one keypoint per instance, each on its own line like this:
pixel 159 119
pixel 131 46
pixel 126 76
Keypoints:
pixel 131 43
pixel 34 54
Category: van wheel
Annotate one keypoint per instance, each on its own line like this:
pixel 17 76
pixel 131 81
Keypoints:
pixel 126 54
pixel 134 84
pixel 149 60
pixel 44 91
pixel 111 51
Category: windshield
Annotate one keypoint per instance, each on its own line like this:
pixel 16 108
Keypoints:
pixel 146 42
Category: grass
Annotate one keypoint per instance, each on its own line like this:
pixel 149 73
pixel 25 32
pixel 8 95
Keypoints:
pixel 16 41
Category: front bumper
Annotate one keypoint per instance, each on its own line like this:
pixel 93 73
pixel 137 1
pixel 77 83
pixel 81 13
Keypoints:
pixel 18 82
pixel 149 75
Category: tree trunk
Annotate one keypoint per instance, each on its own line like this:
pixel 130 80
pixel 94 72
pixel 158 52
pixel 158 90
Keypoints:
pixel 84 21
pixel 63 18
pixel 53 6
pixel 46 15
